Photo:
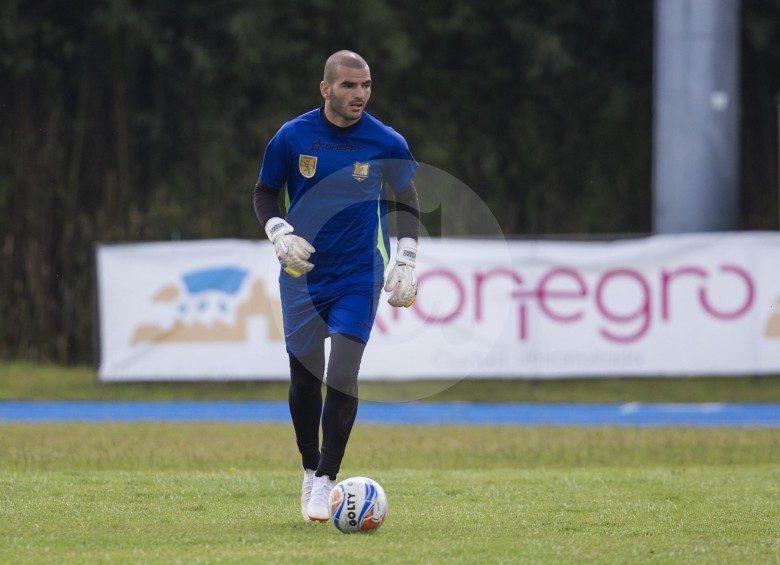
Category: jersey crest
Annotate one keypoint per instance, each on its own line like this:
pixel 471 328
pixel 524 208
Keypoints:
pixel 360 171
pixel 307 165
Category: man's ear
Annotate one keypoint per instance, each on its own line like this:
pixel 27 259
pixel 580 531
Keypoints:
pixel 325 90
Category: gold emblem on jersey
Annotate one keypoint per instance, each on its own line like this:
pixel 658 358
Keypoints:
pixel 307 165
pixel 360 171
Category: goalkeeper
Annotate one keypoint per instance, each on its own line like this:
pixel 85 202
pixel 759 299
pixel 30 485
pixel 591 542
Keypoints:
pixel 338 163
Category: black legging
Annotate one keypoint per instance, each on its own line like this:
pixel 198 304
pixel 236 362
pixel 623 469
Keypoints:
pixel 341 402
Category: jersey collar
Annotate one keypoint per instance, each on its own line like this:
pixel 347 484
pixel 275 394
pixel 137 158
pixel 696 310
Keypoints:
pixel 334 127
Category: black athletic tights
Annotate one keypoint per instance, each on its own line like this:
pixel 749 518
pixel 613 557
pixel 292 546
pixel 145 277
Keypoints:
pixel 341 402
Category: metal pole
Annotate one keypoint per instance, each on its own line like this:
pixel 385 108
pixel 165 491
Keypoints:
pixel 696 122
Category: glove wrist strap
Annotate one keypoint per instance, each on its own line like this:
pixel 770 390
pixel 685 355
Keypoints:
pixel 407 252
pixel 276 228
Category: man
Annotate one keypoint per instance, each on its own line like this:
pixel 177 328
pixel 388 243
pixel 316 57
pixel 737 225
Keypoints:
pixel 337 163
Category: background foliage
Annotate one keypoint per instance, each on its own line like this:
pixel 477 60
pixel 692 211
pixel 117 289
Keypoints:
pixel 142 120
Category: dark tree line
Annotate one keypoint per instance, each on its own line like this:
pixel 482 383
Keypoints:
pixel 125 120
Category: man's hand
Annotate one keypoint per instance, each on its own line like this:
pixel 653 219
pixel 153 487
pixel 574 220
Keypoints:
pixel 293 251
pixel 402 282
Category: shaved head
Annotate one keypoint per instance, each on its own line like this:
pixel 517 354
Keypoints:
pixel 346 88
pixel 344 58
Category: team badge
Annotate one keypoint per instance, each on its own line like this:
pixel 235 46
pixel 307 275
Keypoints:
pixel 307 165
pixel 360 171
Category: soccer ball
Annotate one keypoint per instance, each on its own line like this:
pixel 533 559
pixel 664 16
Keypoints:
pixel 357 504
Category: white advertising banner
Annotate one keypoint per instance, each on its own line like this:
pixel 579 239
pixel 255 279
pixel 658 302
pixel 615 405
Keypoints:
pixel 694 304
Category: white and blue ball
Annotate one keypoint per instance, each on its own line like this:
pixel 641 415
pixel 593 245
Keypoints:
pixel 357 505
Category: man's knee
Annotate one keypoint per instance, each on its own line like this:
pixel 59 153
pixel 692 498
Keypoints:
pixel 307 371
pixel 344 363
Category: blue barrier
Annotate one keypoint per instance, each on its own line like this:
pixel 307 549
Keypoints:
pixel 407 413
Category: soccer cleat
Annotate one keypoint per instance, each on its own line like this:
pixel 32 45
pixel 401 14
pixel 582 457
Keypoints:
pixel 308 480
pixel 318 510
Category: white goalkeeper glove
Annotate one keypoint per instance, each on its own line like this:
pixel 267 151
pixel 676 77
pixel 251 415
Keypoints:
pixel 402 282
pixel 293 251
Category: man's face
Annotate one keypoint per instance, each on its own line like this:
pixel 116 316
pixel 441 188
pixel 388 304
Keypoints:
pixel 347 96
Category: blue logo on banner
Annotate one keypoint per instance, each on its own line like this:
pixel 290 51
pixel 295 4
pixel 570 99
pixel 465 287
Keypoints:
pixel 227 280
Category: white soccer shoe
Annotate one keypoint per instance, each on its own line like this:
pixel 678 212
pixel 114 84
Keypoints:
pixel 318 510
pixel 308 481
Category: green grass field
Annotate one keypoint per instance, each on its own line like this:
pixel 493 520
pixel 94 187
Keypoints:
pixel 228 493
pixel 27 381
pixel 199 493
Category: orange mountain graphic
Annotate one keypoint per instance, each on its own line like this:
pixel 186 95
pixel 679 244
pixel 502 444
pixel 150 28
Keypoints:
pixel 772 328
pixel 258 304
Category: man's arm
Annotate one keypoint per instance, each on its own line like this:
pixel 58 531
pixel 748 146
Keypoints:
pixel 293 251
pixel 266 203
pixel 402 282
pixel 407 213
